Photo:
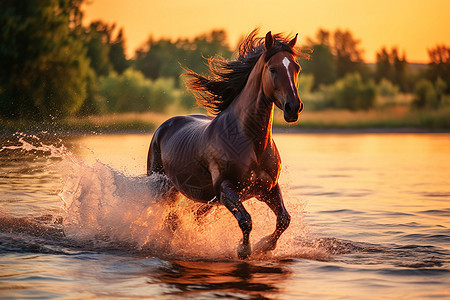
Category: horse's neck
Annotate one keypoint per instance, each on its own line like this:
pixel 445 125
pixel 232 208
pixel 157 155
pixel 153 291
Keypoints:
pixel 253 110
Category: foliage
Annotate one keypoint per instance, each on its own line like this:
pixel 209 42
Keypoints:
pixel 132 92
pixel 305 84
pixel 334 55
pixel 439 66
pixel 321 66
pixel 164 58
pixel 44 67
pixel 105 52
pixel 117 53
pixel 348 55
pixel 429 95
pixel 351 93
pixel 393 68
pixel 51 66
pixel 387 88
pixel 387 93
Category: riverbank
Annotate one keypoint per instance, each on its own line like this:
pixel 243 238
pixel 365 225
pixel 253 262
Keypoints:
pixel 398 119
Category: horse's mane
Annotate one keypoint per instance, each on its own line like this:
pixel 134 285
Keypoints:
pixel 228 78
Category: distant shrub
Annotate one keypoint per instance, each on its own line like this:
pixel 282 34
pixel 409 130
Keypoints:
pixel 187 100
pixel 305 84
pixel 387 92
pixel 349 92
pixel 387 88
pixel 132 92
pixel 352 93
pixel 323 98
pixel 162 94
pixel 429 95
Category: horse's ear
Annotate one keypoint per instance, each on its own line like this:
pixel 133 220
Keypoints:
pixel 269 40
pixel 293 41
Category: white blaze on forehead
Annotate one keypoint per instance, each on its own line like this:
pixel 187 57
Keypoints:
pixel 286 63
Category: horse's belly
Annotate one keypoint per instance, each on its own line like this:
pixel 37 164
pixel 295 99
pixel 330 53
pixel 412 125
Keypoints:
pixel 192 180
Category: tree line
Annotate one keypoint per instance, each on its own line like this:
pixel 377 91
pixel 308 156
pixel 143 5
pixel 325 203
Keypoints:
pixel 53 66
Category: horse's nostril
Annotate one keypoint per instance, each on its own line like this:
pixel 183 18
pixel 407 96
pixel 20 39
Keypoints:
pixel 301 106
pixel 287 107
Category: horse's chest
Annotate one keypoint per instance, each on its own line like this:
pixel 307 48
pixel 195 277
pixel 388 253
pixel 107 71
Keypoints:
pixel 262 180
pixel 262 177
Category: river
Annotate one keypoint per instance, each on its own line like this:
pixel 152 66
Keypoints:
pixel 370 219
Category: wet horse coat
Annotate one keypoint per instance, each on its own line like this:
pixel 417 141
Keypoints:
pixel 232 157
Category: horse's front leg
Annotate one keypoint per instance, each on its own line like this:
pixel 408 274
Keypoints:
pixel 274 200
pixel 230 199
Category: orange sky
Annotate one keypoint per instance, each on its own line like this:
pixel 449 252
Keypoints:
pixel 411 25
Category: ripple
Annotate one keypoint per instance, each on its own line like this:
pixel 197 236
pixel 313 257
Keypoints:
pixel 437 212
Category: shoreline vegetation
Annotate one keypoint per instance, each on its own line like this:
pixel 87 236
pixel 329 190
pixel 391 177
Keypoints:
pixel 62 76
pixel 395 119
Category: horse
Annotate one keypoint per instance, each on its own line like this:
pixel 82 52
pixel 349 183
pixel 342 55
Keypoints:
pixel 230 157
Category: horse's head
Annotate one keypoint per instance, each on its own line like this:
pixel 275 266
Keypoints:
pixel 280 79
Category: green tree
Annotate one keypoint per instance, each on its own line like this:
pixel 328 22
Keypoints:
pixel 106 55
pixel 429 95
pixel 96 38
pixel 165 58
pixel 390 66
pixel 132 92
pixel 105 52
pixel 439 66
pixel 347 53
pixel 383 66
pixel 117 53
pixel 43 67
pixel 352 93
pixel 321 65
pixel 334 55
pixel 158 58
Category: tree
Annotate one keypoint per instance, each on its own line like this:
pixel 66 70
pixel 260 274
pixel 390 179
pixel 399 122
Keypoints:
pixel 439 66
pixel 334 56
pixel 383 66
pixel 348 55
pixel 105 52
pixel 165 58
pixel 117 53
pixel 97 38
pixel 429 95
pixel 158 58
pixel 390 66
pixel 321 65
pixel 352 93
pixel 132 92
pixel 43 67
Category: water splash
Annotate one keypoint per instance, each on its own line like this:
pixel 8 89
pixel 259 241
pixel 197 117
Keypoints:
pixel 103 208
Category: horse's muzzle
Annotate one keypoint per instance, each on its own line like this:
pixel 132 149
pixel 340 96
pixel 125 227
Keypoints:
pixel 291 112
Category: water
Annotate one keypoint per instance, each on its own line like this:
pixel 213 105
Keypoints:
pixel 371 219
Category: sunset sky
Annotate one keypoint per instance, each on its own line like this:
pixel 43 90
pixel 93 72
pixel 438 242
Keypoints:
pixel 411 25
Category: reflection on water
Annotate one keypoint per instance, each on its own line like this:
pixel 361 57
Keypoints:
pixel 231 279
pixel 370 219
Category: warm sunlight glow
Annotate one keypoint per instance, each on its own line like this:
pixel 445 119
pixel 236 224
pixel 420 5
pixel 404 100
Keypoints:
pixel 412 26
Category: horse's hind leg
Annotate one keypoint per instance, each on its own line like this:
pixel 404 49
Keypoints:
pixel 231 201
pixel 274 200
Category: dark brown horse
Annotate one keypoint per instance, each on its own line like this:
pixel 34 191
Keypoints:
pixel 232 157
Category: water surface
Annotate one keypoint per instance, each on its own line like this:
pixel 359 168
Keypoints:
pixel 371 219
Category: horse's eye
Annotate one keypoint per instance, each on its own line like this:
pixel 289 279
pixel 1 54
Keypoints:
pixel 273 70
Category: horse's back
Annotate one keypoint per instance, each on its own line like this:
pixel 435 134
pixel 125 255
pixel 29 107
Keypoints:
pixel 176 151
pixel 174 139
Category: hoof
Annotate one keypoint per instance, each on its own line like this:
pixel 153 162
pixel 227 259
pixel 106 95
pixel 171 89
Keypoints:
pixel 244 251
pixel 266 244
